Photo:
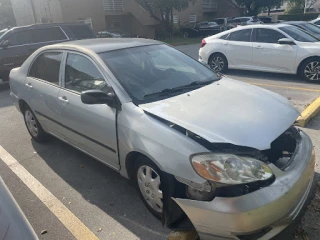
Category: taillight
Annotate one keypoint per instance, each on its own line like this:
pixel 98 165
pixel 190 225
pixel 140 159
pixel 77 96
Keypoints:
pixel 203 43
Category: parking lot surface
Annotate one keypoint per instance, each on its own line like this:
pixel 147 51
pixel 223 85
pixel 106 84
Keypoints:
pixel 106 204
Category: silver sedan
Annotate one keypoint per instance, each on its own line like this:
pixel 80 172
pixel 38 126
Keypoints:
pixel 212 152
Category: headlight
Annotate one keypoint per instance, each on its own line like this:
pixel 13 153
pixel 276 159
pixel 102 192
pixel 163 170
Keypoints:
pixel 230 169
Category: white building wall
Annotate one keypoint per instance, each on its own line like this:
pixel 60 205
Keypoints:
pixel 46 11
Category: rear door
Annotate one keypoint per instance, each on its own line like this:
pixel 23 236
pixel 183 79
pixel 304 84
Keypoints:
pixel 43 86
pixel 239 48
pixel 268 55
pixel 92 128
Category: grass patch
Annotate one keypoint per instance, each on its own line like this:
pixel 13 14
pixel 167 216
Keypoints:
pixel 176 41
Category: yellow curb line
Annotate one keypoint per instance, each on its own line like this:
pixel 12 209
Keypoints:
pixel 310 112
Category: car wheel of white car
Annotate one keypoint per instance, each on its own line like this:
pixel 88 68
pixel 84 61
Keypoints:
pixel 148 180
pixel 33 125
pixel 310 70
pixel 218 63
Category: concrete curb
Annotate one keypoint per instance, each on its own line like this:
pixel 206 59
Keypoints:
pixel 309 113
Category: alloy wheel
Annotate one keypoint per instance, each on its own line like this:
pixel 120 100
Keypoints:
pixel 31 123
pixel 312 71
pixel 149 184
pixel 217 64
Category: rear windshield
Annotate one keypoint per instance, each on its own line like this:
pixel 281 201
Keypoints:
pixel 81 31
pixel 299 34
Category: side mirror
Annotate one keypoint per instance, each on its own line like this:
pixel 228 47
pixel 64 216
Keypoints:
pixel 5 44
pixel 92 97
pixel 286 41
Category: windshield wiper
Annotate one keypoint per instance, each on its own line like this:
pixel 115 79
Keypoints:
pixel 192 85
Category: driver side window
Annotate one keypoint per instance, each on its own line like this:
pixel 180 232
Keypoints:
pixel 81 74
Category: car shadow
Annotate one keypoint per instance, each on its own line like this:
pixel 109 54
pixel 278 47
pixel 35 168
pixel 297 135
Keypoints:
pixel 267 76
pixel 5 99
pixel 117 196
pixel 103 187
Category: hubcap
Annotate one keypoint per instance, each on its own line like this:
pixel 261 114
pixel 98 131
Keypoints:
pixel 31 123
pixel 312 71
pixel 149 184
pixel 217 64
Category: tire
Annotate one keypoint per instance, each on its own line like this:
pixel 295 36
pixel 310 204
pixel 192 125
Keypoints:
pixel 310 70
pixel 33 126
pixel 150 190
pixel 218 63
pixel 186 35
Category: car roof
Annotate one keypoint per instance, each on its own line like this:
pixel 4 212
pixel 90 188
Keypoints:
pixel 99 45
pixel 277 25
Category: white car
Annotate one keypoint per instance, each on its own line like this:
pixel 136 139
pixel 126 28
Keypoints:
pixel 280 48
pixel 316 21
pixel 246 20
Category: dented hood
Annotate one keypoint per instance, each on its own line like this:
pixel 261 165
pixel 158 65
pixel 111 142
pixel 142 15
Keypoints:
pixel 229 111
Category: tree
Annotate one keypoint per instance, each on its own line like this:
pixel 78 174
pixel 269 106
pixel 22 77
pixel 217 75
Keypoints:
pixel 299 6
pixel 6 14
pixel 271 4
pixel 162 10
pixel 254 7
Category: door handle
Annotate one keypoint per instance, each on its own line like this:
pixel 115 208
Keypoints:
pixel 29 85
pixel 259 47
pixel 63 99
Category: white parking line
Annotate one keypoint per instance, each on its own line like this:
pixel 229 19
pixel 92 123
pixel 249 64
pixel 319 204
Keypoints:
pixel 67 218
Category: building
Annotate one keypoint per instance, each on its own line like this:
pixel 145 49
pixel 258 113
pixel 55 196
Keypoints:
pixel 127 15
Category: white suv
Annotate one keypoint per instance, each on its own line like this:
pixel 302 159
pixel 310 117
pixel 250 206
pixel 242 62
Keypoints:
pixel 246 20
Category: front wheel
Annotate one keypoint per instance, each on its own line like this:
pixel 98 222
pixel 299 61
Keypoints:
pixel 147 177
pixel 310 70
pixel 218 63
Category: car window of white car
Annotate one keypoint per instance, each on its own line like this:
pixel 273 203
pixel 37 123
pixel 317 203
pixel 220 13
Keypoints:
pixel 241 35
pixel 264 35
pixel 47 67
pixel 82 75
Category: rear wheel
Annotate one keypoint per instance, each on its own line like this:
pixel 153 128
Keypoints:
pixel 310 70
pixel 147 177
pixel 33 125
pixel 218 63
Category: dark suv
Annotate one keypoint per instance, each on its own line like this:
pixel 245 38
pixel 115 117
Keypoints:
pixel 17 44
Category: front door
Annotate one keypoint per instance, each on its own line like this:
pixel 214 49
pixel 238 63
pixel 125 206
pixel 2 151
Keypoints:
pixel 92 128
pixel 239 49
pixel 269 55
pixel 42 85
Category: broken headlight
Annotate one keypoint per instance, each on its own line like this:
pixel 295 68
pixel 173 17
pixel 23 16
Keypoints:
pixel 230 169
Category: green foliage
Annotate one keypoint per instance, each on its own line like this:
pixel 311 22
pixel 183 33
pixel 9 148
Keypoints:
pixel 297 6
pixel 299 17
pixel 254 7
pixel 162 10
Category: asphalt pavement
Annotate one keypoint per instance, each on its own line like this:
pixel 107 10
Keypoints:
pixel 107 204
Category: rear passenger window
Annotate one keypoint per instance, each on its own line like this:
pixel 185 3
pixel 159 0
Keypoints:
pixel 48 34
pixel 20 38
pixel 241 35
pixel 81 75
pixel 47 67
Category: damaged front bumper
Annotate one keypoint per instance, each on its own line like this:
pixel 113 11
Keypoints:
pixel 268 210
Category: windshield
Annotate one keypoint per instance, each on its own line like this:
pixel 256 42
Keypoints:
pixel 2 32
pixel 311 27
pixel 143 71
pixel 299 34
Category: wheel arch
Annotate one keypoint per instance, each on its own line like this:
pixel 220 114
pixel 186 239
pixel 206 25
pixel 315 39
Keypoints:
pixel 211 55
pixel 132 158
pixel 22 105
pixel 303 61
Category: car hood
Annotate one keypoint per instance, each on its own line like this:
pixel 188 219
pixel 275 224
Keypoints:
pixel 229 111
